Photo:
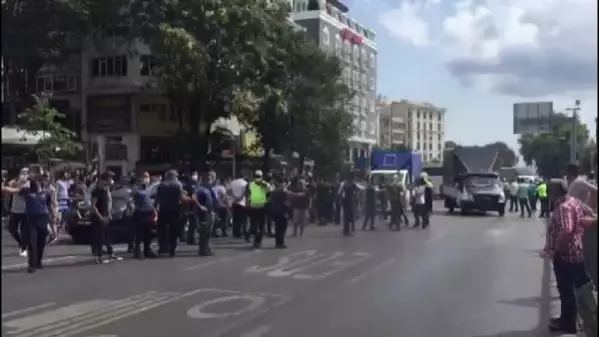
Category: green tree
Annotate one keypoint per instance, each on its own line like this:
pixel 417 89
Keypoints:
pixel 57 141
pixel 550 152
pixel 207 53
pixel 38 32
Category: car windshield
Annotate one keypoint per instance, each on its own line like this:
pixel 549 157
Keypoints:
pixel 385 178
pixel 481 180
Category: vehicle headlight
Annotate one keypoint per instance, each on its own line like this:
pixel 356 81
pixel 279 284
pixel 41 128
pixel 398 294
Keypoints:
pixel 501 197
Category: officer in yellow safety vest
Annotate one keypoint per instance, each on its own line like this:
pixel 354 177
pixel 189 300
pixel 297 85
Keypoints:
pixel 542 195
pixel 257 194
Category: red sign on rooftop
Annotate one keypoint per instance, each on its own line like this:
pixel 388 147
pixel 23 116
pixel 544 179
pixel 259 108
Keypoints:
pixel 348 34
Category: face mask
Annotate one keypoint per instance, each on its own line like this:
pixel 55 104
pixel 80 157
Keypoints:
pixel 111 182
pixel 194 177
pixel 23 177
pixel 146 181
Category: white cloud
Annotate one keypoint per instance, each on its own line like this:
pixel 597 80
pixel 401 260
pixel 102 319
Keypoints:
pixel 405 24
pixel 515 47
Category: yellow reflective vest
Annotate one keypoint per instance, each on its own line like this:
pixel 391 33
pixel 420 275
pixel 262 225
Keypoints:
pixel 257 197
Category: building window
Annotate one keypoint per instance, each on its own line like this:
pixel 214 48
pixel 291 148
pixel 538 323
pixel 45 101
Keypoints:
pixel 57 82
pixel 364 58
pixel 371 84
pixel 326 36
pixel 372 106
pixel 158 110
pixel 356 77
pixel 364 104
pixel 147 64
pixel 418 146
pixel 338 46
pixel 364 81
pixel 347 50
pixel 109 66
pixel 372 61
pixel 356 55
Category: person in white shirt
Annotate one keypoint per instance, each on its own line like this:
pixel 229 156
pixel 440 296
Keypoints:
pixel 580 188
pixel 18 219
pixel 237 192
pixel 419 204
pixel 514 195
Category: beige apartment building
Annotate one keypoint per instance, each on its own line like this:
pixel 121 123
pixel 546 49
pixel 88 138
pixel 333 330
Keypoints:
pixel 420 126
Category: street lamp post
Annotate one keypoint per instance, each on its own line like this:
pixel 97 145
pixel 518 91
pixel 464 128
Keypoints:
pixel 573 134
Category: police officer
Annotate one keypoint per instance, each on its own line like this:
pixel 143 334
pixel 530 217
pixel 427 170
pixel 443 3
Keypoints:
pixel 348 192
pixel 169 197
pixel 257 199
pixel 142 218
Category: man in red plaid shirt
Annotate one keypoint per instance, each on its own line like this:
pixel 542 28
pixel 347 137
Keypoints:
pixel 565 247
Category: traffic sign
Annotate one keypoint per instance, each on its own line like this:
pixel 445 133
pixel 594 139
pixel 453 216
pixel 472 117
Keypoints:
pixel 533 118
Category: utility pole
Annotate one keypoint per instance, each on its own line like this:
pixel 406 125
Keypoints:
pixel 574 124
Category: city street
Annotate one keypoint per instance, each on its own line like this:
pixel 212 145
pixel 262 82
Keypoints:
pixel 473 276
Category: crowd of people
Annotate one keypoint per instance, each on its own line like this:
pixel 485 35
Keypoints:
pixel 198 207
pixel 260 206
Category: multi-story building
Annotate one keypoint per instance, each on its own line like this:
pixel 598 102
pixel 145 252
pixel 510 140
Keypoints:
pixel 392 124
pixel 426 129
pixel 327 23
pixel 419 126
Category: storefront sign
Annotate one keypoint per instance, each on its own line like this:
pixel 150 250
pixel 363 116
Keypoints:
pixel 352 37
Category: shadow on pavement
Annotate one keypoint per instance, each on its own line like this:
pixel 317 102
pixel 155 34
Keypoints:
pixel 543 302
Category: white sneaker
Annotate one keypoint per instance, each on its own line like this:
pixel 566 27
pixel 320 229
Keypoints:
pixel 23 253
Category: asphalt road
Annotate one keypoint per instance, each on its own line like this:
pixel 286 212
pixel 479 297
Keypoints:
pixel 474 276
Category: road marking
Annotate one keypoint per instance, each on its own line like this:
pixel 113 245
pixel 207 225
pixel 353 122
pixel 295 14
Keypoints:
pixel 361 277
pixel 50 260
pixel 27 310
pixel 254 302
pixel 222 332
pixel 283 271
pixel 78 318
pixel 286 261
pixel 258 331
pixel 221 260
pixel 337 265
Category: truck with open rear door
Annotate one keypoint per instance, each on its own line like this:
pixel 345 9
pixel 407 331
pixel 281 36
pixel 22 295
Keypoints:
pixel 469 182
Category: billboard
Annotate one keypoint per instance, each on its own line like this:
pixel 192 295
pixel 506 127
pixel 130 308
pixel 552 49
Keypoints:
pixel 530 118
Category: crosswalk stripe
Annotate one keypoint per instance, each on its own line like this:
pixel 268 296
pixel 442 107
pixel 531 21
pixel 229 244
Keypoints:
pixel 114 305
pixel 27 310
pixel 108 316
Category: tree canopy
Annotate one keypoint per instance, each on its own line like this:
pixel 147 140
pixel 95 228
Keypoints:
pixel 211 58
pixel 57 141
pixel 550 152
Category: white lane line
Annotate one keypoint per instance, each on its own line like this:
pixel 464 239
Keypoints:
pixel 361 277
pixel 221 260
pixel 114 313
pixel 50 260
pixel 27 310
pixel 259 331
